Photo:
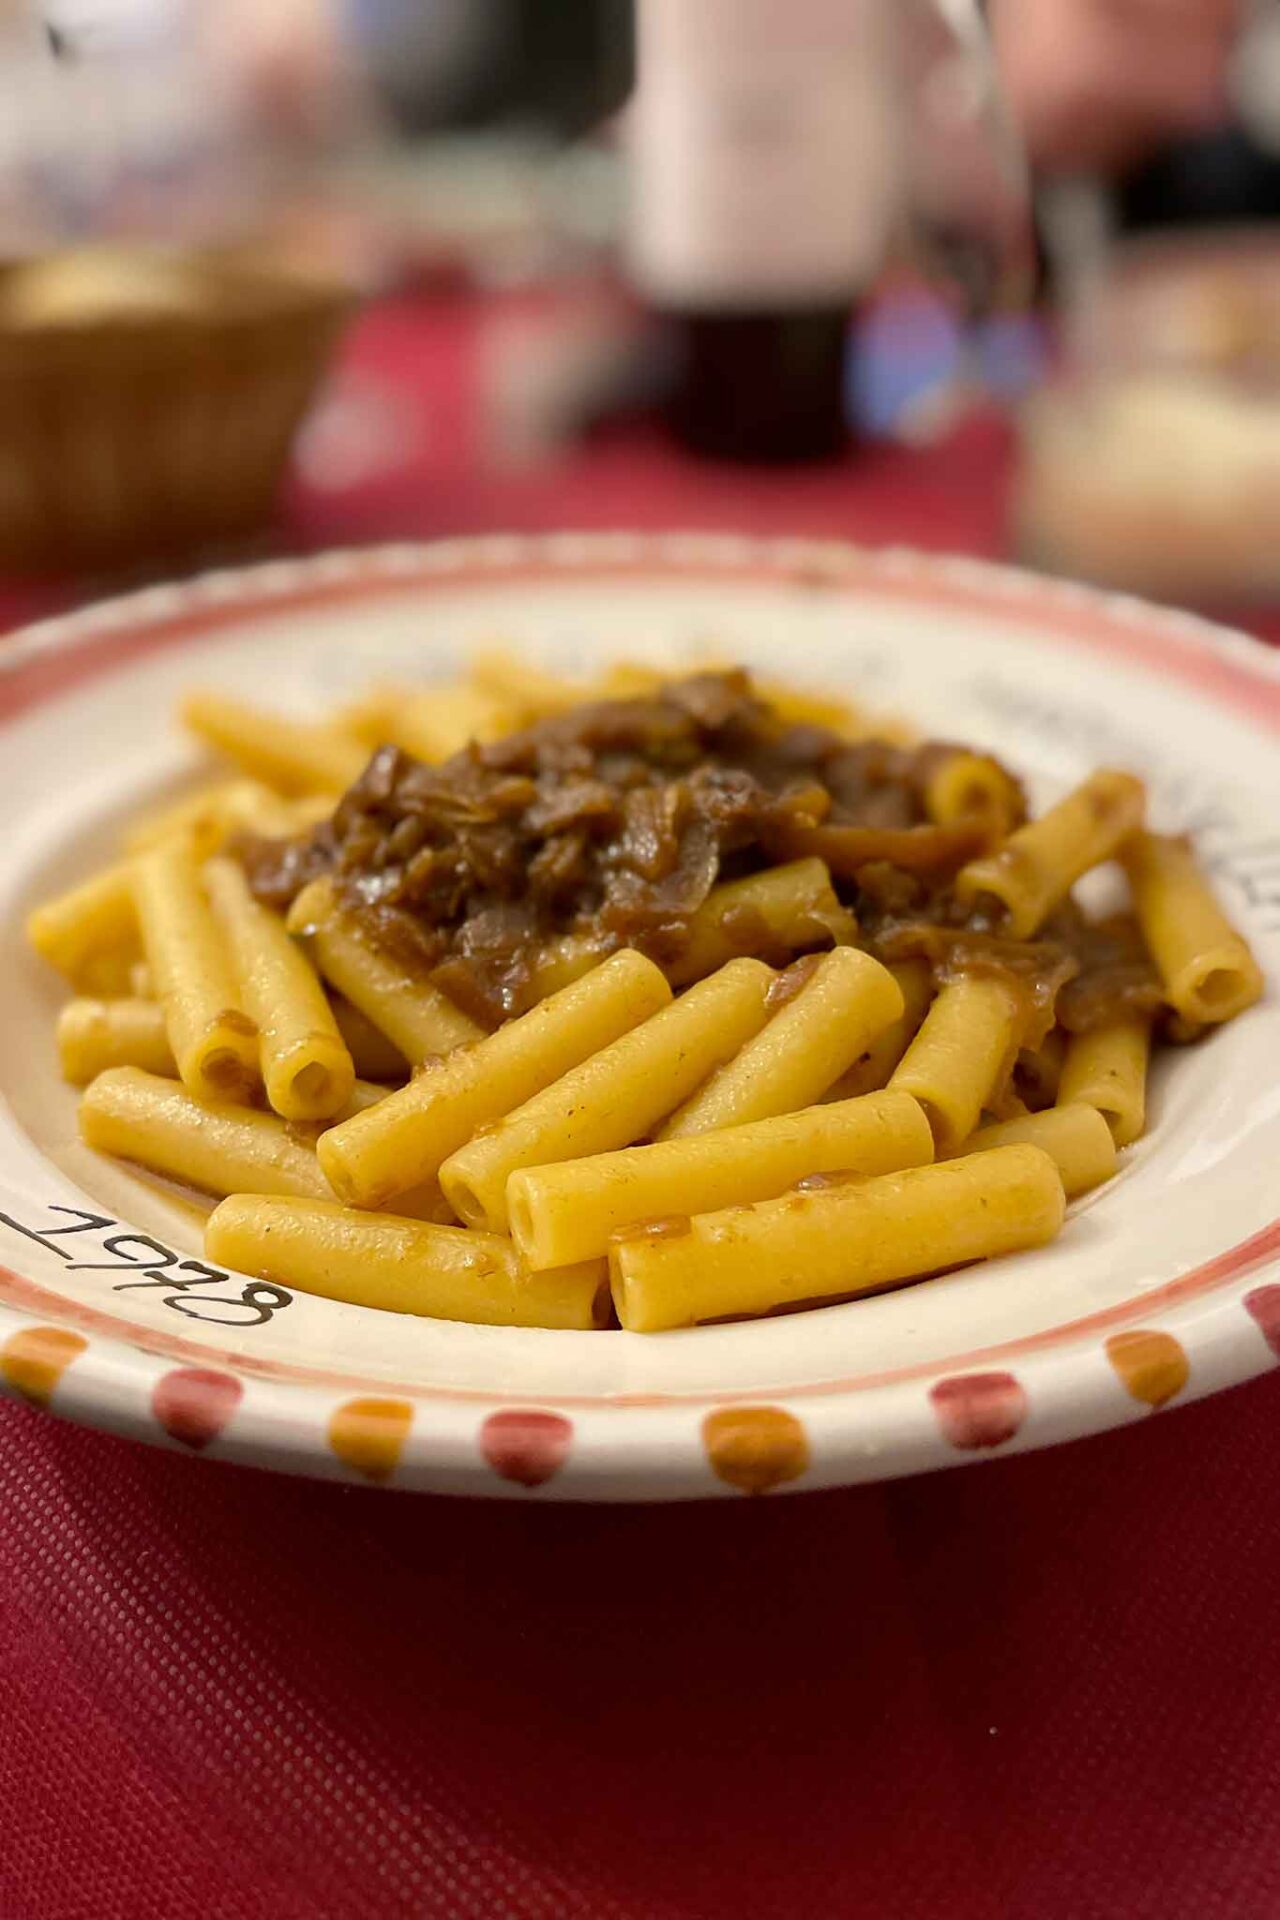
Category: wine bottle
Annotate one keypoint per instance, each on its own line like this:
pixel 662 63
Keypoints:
pixel 763 170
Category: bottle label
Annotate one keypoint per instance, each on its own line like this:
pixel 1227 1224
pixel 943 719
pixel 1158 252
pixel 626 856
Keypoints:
pixel 764 145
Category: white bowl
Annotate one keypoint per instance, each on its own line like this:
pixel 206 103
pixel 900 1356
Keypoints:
pixel 1165 1285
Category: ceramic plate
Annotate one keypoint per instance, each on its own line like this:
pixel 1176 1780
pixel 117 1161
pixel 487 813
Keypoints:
pixel 1164 1285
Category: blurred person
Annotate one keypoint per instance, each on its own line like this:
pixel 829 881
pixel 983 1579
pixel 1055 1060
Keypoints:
pixel 1098 84
pixel 284 62
pixel 564 66
pixel 1171 103
pixel 433 63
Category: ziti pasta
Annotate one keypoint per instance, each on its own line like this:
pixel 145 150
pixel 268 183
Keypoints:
pixel 834 1241
pixel 699 987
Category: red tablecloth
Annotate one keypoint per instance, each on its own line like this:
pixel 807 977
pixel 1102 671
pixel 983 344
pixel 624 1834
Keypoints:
pixel 1039 1687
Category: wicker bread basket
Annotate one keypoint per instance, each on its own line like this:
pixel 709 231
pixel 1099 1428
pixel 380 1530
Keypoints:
pixel 147 407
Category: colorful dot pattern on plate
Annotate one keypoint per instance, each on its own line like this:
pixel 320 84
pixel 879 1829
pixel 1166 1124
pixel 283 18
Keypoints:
pixel 755 1448
pixel 369 1435
pixel 194 1404
pixel 527 1446
pixel 33 1360
pixel 863 1398
pixel 977 1410
pixel 1153 1367
pixel 1263 1307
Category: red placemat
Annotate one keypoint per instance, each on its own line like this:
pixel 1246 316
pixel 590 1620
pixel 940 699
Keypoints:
pixel 1041 1687
pixel 1035 1687
pixel 414 458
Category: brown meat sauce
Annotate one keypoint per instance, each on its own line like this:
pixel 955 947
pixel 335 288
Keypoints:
pixel 614 821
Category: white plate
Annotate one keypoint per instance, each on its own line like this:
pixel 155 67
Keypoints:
pixel 1164 1286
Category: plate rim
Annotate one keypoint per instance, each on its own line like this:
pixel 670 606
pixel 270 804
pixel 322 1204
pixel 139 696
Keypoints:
pixel 645 1447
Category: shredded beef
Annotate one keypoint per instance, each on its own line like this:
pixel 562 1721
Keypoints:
pixel 614 820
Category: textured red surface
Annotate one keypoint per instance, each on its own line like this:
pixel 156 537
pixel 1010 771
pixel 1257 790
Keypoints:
pixel 1041 1686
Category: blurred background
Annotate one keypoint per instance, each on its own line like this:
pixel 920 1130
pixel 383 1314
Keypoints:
pixel 1001 279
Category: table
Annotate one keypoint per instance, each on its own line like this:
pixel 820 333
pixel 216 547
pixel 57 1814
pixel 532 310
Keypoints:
pixel 1040 1687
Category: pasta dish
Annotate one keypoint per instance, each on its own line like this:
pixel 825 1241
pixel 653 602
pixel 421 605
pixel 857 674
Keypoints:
pixel 644 1003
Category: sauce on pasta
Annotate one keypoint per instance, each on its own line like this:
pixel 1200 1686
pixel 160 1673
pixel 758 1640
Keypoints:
pixel 611 822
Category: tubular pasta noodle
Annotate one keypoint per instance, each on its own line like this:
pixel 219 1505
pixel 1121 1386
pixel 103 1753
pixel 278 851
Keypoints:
pixel 291 756
pixel 413 1132
pixel 1208 973
pixel 616 1096
pixel 211 814
pixel 782 909
pixel 306 1068
pixel 214 1042
pixel 1038 865
pixel 963 786
pixel 1076 1138
pixel 1106 1068
pixel 96 1034
pixel 835 1242
pixel 569 1211
pixel 90 933
pixel 433 723
pixel 401 1266
pixel 415 1017
pixel 207 1144
pixel 845 1001
pixel 959 1057
pixel 872 1071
